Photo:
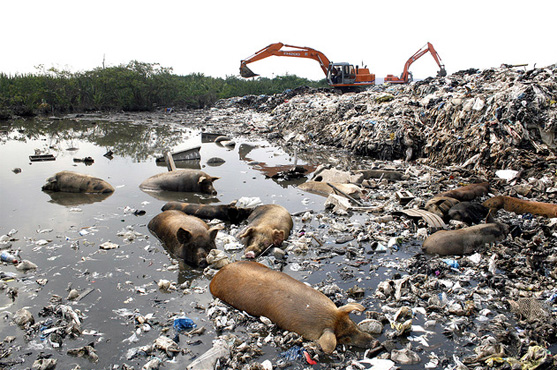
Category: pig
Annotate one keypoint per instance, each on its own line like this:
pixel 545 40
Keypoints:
pixel 323 188
pixel 292 305
pixel 440 206
pixel 521 206
pixel 224 212
pixel 464 241
pixel 187 180
pixel 187 238
pixel 268 224
pixel 73 182
pixel 469 192
pixel 468 212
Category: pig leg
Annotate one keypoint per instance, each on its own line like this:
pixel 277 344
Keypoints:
pixel 327 341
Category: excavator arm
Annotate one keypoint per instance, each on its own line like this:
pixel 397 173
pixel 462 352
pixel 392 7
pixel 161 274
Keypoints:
pixel 406 75
pixel 293 51
pixel 342 75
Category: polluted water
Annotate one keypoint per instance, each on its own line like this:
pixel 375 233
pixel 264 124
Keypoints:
pixel 98 290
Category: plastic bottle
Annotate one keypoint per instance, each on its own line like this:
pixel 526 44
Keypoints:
pixel 8 257
pixel 452 263
pixel 183 323
pixel 208 360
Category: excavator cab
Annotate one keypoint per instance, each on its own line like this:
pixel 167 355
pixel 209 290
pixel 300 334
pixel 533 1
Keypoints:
pixel 341 73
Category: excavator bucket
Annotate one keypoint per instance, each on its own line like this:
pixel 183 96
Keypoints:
pixel 246 72
pixel 442 72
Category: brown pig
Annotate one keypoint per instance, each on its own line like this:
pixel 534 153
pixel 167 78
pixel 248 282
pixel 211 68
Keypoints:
pixel 187 238
pixel 292 305
pixel 441 205
pixel 181 180
pixel 521 206
pixel 268 224
pixel 73 182
pixel 468 192
pixel 464 241
pixel 323 188
pixel 468 212
pixel 224 212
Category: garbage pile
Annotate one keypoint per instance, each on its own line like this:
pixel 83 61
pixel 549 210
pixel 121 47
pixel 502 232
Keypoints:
pixel 495 305
pixel 491 119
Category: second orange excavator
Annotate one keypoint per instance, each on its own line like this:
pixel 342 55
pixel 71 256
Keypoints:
pixel 407 75
pixel 339 75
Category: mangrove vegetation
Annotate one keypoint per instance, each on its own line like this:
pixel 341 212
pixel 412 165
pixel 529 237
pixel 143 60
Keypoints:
pixel 135 86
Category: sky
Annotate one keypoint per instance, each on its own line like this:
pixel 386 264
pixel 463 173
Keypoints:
pixel 212 36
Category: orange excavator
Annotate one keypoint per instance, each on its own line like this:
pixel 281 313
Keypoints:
pixel 407 75
pixel 340 75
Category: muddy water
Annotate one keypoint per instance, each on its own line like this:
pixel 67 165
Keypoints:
pixel 62 235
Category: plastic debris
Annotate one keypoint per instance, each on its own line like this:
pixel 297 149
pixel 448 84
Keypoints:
pixel 183 323
pixel 8 257
pixel 297 353
pixel 207 361
pixel 26 265
pixel 108 245
pixel 87 352
pixel 23 317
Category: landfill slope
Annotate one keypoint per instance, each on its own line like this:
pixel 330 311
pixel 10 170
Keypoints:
pixel 479 120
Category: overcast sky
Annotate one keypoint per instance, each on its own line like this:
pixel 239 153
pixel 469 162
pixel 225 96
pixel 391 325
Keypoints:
pixel 212 36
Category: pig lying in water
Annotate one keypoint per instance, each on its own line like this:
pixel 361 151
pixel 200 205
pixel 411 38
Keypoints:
pixel 73 182
pixel 292 305
pixel 181 180
pixel 269 224
pixel 464 241
pixel 224 212
pixel 187 238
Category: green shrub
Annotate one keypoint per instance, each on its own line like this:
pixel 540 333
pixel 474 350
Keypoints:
pixel 136 86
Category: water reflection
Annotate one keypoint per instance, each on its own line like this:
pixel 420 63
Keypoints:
pixel 185 197
pixel 75 199
pixel 137 141
pixel 191 164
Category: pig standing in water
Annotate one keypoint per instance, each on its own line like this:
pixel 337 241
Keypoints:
pixel 73 182
pixel 292 305
pixel 269 224
pixel 185 237
pixel 181 180
pixel 464 241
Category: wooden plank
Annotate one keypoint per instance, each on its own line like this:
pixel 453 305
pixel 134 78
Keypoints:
pixel 170 162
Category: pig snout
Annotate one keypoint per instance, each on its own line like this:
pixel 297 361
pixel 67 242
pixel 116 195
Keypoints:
pixel 202 263
pixel 250 255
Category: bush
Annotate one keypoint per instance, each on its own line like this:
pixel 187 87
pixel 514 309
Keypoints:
pixel 135 86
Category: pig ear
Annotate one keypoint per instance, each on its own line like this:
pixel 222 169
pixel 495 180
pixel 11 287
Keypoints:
pixel 246 232
pixel 184 236
pixel 213 232
pixel 328 341
pixel 278 237
pixel 207 178
pixel 351 307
